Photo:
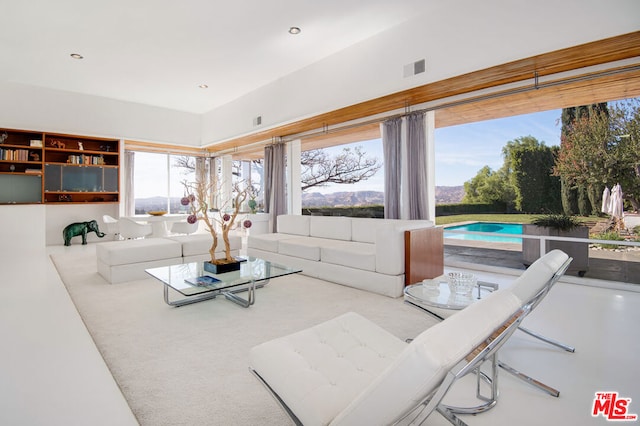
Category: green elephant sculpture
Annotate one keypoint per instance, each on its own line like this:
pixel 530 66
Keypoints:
pixel 80 228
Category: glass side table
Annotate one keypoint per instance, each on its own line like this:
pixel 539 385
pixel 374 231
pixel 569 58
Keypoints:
pixel 439 301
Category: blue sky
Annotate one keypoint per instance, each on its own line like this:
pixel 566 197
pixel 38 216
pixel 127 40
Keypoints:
pixel 463 150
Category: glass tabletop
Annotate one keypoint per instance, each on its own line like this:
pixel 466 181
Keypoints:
pixel 253 269
pixel 442 297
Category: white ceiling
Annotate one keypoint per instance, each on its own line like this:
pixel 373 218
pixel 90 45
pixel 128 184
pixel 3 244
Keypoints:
pixel 157 52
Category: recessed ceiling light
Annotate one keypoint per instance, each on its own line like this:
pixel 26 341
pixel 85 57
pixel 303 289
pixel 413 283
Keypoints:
pixel 294 30
pixel 203 86
pixel 76 56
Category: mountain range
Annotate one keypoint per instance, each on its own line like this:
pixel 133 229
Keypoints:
pixel 444 195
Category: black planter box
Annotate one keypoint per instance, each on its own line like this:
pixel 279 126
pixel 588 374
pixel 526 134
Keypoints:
pixel 222 268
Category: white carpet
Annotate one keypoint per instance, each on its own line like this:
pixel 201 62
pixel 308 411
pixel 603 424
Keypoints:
pixel 189 365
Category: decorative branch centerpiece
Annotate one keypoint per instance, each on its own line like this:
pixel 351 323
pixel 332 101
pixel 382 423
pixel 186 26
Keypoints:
pixel 197 194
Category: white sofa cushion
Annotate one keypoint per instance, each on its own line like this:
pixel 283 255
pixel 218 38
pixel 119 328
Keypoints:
pixel 201 243
pixel 303 247
pixel 136 251
pixel 364 229
pixel 349 253
pixel 267 242
pixel 293 224
pixel 335 228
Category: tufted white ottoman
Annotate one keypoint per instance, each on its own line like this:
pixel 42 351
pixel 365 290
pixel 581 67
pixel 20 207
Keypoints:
pixel 195 247
pixel 120 261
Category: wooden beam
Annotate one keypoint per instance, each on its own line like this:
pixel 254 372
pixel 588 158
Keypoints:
pixel 595 53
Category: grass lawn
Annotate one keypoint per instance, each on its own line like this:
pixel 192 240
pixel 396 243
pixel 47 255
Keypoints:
pixel 501 218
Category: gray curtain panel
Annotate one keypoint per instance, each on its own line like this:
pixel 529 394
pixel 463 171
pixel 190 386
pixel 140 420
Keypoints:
pixel 213 183
pixel 129 202
pixel 417 166
pixel 275 182
pixel 391 146
pixel 268 173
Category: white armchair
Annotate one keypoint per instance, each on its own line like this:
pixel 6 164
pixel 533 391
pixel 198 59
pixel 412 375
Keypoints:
pixel 111 225
pixel 184 228
pixel 132 229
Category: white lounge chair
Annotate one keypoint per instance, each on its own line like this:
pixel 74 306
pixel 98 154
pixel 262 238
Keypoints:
pixel 349 371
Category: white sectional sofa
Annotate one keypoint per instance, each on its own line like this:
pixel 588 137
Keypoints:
pixel 358 252
pixel 121 261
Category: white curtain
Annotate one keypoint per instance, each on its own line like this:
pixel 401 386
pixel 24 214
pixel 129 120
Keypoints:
pixel 275 182
pixel 404 143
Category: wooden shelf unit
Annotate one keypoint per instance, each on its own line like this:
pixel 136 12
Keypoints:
pixel 81 170
pixel 37 167
pixel 21 160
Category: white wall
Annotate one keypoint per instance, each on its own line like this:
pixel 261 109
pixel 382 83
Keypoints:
pixel 40 109
pixel 22 228
pixel 58 216
pixel 452 41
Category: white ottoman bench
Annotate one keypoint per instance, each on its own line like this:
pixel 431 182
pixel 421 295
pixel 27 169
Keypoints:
pixel 120 261
pixel 195 247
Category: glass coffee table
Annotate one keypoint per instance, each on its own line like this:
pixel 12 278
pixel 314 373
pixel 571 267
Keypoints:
pixel 439 301
pixel 183 278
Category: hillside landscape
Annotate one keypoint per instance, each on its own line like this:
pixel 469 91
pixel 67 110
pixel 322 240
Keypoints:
pixel 444 195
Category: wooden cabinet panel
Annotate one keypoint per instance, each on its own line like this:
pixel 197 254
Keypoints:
pixel 423 254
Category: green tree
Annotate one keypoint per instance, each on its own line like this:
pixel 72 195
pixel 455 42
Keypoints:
pixel 487 186
pixel 624 168
pixel 585 130
pixel 603 148
pixel 528 166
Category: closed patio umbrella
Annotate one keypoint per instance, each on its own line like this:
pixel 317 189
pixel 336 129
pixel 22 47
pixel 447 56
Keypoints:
pixel 616 204
pixel 606 200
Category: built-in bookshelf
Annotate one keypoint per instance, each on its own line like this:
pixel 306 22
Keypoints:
pixel 37 167
pixel 80 169
pixel 21 160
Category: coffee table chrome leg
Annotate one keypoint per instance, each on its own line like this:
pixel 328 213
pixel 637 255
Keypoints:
pixel 245 303
pixel 186 301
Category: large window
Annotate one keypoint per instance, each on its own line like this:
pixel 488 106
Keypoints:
pixel 158 180
pixel 250 172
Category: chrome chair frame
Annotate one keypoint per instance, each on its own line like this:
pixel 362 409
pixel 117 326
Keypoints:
pixel 534 302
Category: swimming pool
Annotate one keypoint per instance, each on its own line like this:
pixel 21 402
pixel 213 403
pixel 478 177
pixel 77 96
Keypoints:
pixel 493 227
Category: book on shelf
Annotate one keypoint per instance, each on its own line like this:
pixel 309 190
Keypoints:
pixel 33 171
pixel 14 154
pixel 202 280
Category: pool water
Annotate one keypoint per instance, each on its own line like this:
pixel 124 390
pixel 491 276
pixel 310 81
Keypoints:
pixel 497 228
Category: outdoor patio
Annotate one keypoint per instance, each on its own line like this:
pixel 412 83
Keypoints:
pixel 610 265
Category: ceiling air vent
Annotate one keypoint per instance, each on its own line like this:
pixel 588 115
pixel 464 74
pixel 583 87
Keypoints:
pixel 414 68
